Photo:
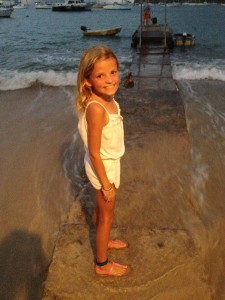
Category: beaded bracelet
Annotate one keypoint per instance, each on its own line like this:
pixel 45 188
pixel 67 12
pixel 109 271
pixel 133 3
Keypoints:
pixel 104 190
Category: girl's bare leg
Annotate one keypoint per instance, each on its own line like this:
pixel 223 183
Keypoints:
pixel 104 215
pixel 103 218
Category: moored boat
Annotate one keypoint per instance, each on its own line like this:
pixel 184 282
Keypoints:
pixel 183 39
pixel 5 9
pixel 117 6
pixel 70 5
pixel 5 12
pixel 101 32
pixel 98 5
pixel 21 5
pixel 42 5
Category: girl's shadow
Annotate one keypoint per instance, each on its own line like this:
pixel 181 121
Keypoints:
pixel 23 266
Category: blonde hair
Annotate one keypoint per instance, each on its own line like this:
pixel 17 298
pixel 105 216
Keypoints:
pixel 88 59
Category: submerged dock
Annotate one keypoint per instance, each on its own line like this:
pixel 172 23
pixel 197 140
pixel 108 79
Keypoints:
pixel 152 201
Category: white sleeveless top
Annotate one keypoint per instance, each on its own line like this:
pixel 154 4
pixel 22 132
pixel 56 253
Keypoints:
pixel 112 141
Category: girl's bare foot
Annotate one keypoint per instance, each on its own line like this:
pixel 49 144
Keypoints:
pixel 117 244
pixel 112 269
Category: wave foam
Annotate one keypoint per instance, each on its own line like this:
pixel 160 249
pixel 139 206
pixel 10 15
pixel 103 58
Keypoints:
pixel 14 80
pixel 197 71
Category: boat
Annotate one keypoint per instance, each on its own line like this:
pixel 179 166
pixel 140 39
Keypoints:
pixel 5 9
pixel 183 39
pixel 98 5
pixel 43 5
pixel 173 4
pixel 5 12
pixel 195 3
pixel 170 4
pixel 70 5
pixel 101 32
pixel 21 5
pixel 117 6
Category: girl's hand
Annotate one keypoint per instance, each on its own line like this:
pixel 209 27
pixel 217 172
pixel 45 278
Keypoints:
pixel 110 194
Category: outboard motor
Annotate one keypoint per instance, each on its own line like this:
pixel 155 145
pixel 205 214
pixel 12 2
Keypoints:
pixel 154 20
pixel 84 28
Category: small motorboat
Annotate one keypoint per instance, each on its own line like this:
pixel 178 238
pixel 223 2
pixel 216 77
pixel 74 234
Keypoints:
pixel 101 32
pixel 70 5
pixel 183 39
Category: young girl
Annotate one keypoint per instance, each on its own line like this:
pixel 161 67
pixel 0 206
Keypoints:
pixel 101 128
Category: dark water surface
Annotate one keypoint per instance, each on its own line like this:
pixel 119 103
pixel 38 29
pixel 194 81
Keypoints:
pixel 45 46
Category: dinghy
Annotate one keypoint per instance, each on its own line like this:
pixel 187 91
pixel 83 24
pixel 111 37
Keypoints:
pixel 184 39
pixel 100 32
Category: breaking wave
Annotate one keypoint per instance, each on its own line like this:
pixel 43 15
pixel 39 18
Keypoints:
pixel 14 80
pixel 196 71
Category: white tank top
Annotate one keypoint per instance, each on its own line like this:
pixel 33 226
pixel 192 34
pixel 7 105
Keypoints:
pixel 112 141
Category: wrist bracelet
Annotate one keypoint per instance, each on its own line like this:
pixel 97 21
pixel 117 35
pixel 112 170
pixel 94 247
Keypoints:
pixel 104 190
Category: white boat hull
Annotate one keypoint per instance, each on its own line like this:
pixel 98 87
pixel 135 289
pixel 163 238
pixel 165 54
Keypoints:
pixel 43 6
pixel 21 6
pixel 117 7
pixel 5 12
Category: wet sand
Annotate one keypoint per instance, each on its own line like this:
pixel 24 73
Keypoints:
pixel 37 124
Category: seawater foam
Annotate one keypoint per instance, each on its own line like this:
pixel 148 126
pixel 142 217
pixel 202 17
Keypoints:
pixel 14 80
pixel 196 71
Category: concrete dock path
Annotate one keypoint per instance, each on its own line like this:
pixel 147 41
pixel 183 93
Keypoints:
pixel 152 207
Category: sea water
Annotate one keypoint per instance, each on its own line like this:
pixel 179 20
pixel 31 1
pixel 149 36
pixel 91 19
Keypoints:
pixel 45 46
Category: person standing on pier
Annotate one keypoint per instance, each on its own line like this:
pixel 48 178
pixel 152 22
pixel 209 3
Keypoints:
pixel 101 129
pixel 147 13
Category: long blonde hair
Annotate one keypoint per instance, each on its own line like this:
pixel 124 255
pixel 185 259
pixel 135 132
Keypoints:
pixel 88 59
